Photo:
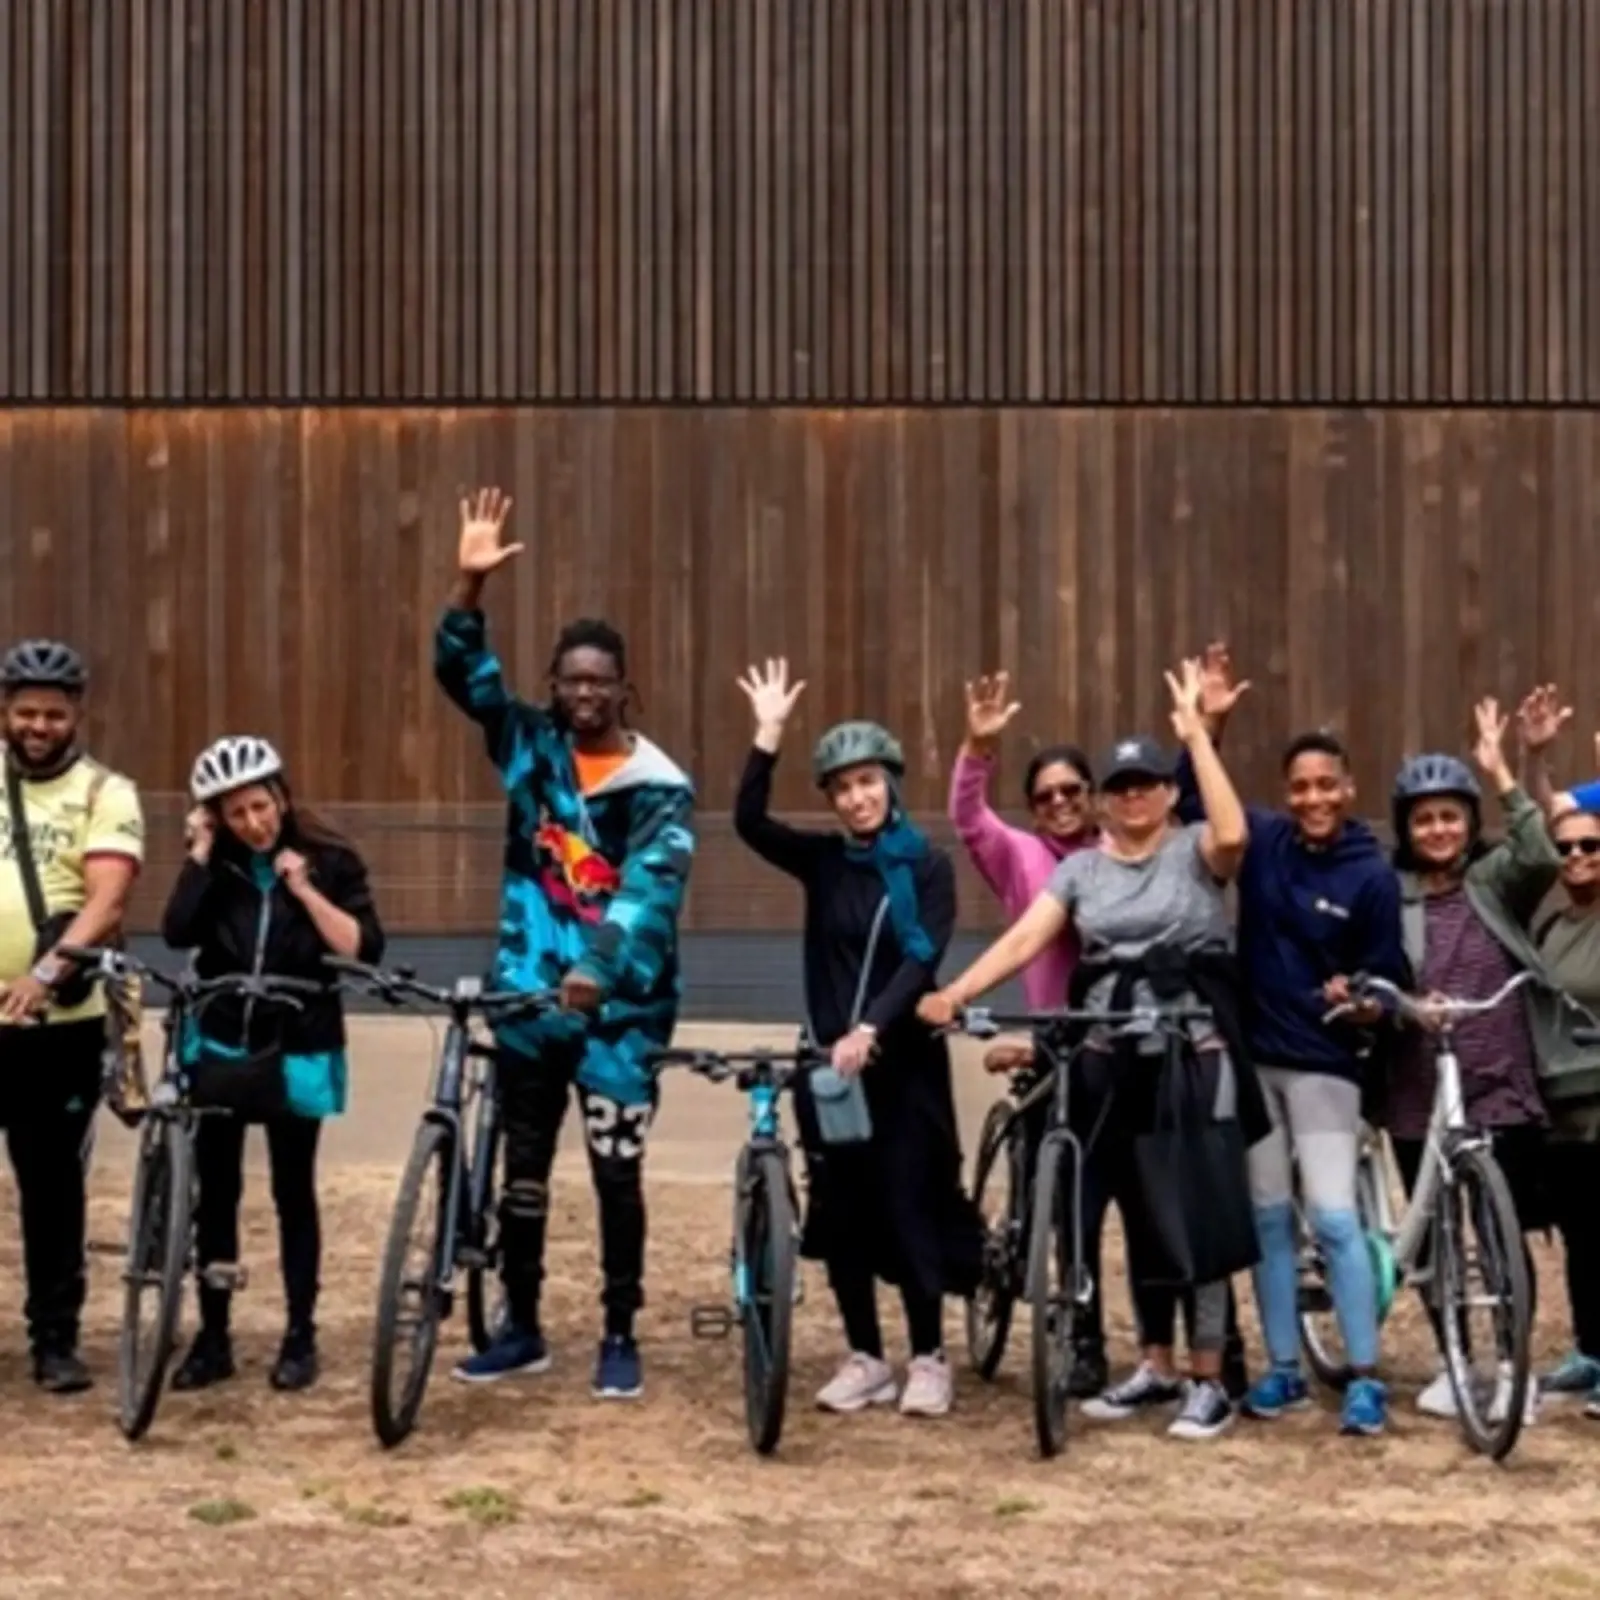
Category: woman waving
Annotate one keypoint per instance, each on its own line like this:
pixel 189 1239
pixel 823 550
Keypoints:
pixel 880 906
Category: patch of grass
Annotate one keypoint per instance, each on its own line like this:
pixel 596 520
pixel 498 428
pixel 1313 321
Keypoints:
pixel 932 1491
pixel 487 1506
pixel 227 1450
pixel 373 1516
pixel 221 1513
pixel 566 1497
pixel 1014 1505
pixel 640 1498
pixel 315 1488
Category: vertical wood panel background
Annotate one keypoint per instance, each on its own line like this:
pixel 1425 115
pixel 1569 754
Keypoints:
pixel 281 571
pixel 807 201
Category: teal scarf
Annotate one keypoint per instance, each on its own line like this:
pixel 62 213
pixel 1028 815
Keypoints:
pixel 894 852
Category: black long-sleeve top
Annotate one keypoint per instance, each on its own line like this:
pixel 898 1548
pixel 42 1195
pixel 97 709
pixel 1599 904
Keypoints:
pixel 842 897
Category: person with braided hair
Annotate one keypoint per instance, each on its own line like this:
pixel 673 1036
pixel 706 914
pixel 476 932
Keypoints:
pixel 599 843
pixel 884 1202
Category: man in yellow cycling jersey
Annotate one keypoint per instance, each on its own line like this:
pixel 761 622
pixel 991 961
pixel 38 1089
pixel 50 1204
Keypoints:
pixel 72 844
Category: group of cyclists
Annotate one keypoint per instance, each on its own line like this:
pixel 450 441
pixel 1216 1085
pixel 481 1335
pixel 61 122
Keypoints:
pixel 1116 890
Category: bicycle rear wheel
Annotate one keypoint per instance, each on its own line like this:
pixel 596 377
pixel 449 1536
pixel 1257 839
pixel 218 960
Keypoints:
pixel 410 1302
pixel 989 1309
pixel 1052 1285
pixel 486 1300
pixel 159 1240
pixel 764 1238
pixel 1478 1241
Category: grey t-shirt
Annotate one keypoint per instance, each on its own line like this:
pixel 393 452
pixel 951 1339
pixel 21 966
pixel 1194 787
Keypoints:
pixel 1122 908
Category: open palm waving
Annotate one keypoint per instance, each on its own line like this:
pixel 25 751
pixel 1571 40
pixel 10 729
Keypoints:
pixel 771 699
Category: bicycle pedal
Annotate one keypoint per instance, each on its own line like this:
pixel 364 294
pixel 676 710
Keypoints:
pixel 711 1322
pixel 227 1276
pixel 471 1259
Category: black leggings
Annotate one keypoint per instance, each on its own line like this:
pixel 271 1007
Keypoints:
pixel 855 1290
pixel 1574 1187
pixel 292 1157
pixel 1521 1154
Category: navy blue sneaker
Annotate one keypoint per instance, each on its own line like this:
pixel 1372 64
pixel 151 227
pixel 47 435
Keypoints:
pixel 618 1374
pixel 513 1354
pixel 1366 1408
pixel 1276 1392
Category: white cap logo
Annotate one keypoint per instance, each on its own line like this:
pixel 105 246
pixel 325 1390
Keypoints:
pixel 1128 750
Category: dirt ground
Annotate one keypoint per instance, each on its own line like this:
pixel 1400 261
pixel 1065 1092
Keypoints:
pixel 533 1487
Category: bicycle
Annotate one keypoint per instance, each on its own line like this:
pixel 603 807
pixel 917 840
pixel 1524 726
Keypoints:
pixel 1040 1227
pixel 458 1141
pixel 1426 1248
pixel 766 1240
pixel 161 1242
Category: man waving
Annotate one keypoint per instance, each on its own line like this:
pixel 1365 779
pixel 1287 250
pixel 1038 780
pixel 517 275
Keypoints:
pixel 599 843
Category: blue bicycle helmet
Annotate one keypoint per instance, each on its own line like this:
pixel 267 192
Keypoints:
pixel 1433 777
pixel 43 664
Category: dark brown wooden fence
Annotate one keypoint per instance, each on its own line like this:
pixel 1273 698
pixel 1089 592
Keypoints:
pixel 282 571
pixel 814 201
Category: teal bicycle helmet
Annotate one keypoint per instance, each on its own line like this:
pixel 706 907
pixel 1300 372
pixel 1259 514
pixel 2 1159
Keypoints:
pixel 853 744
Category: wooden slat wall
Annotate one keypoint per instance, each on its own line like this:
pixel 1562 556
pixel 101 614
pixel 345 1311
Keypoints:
pixel 809 201
pixel 282 571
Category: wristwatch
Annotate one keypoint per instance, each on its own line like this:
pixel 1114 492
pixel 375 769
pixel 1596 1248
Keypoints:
pixel 47 971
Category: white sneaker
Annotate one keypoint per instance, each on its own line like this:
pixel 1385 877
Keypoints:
pixel 861 1382
pixel 1502 1398
pixel 929 1388
pixel 1438 1399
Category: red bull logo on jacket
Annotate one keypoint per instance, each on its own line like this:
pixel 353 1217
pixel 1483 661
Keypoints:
pixel 572 873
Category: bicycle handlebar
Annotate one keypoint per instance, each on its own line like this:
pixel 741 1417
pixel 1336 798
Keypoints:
pixel 401 989
pixel 1366 986
pixel 188 990
pixel 718 1066
pixel 979 1022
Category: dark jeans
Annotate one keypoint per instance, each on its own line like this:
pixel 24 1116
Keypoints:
pixel 292 1162
pixel 1573 1175
pixel 533 1097
pixel 49 1087
pixel 1522 1154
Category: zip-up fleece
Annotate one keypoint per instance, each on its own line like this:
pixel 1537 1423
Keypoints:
pixel 233 925
pixel 593 883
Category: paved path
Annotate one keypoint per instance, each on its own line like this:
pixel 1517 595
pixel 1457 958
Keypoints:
pixel 699 1127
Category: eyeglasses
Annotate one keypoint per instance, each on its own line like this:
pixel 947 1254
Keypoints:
pixel 1585 847
pixel 571 683
pixel 1052 792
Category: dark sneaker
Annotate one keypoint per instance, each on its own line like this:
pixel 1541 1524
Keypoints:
pixel 512 1354
pixel 1276 1392
pixel 1366 1408
pixel 1090 1374
pixel 296 1366
pixel 1146 1388
pixel 618 1374
pixel 60 1372
pixel 1235 1370
pixel 1207 1411
pixel 209 1361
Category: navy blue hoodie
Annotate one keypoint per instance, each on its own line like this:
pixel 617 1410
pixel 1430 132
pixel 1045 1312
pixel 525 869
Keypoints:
pixel 1306 915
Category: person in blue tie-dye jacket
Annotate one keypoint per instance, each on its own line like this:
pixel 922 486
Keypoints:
pixel 599 842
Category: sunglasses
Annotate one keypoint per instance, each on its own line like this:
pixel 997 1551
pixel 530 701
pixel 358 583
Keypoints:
pixel 1051 792
pixel 1584 847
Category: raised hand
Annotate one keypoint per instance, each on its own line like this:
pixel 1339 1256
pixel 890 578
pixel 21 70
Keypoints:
pixel 989 712
pixel 483 521
pixel 1541 717
pixel 771 699
pixel 1185 685
pixel 1489 752
pixel 1219 693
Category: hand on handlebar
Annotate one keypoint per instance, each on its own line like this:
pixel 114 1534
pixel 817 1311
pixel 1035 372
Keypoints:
pixel 1363 1010
pixel 580 992
pixel 939 1009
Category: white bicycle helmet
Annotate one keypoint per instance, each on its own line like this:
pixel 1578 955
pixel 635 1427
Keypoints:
pixel 233 763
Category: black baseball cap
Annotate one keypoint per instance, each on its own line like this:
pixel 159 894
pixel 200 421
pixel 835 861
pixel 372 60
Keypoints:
pixel 1136 758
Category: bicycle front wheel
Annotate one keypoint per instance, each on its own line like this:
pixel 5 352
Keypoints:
pixel 765 1241
pixel 410 1302
pixel 998 1168
pixel 1052 1295
pixel 1481 1268
pixel 159 1241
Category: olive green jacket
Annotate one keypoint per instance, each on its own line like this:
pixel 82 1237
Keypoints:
pixel 1505 888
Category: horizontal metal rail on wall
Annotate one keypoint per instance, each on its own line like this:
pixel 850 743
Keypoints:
pixel 819 202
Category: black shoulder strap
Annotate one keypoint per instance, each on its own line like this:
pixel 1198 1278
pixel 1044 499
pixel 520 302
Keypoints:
pixel 22 848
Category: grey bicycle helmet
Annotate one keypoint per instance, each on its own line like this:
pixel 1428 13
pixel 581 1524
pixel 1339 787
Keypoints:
pixel 1433 777
pixel 44 664
pixel 850 744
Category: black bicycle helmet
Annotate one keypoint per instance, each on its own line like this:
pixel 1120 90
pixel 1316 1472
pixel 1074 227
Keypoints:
pixel 43 664
pixel 851 744
pixel 1433 777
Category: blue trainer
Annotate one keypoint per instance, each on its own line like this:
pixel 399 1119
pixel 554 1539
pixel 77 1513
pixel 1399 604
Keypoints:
pixel 513 1354
pixel 618 1374
pixel 1276 1392
pixel 1366 1408
pixel 1577 1375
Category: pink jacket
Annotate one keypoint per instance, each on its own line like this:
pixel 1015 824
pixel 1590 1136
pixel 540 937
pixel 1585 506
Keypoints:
pixel 1016 864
